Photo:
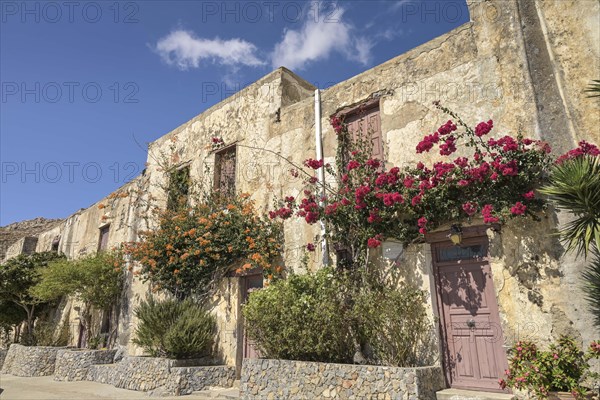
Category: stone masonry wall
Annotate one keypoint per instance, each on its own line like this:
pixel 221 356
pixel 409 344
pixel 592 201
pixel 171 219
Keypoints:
pixel 148 374
pixel 29 360
pixel 185 380
pixel 276 379
pixel 2 357
pixel 74 365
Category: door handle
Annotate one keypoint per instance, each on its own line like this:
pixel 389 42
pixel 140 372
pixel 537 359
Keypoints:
pixel 471 323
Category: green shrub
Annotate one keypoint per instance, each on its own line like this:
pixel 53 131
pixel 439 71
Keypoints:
pixel 174 329
pixel 317 317
pixel 300 318
pixel 48 333
pixel 395 326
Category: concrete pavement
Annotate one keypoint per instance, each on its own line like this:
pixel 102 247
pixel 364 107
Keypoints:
pixel 46 388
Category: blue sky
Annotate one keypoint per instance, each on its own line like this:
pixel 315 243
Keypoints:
pixel 86 85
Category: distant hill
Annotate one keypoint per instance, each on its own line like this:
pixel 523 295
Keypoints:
pixel 9 234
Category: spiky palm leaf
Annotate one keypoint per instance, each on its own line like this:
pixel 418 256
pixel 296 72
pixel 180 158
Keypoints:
pixel 591 287
pixel 575 187
pixel 594 89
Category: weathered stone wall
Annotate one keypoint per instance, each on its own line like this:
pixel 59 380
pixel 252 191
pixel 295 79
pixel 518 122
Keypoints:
pixel 278 379
pixel 73 365
pixel 30 360
pixel 2 357
pixel 148 374
pixel 522 63
pixel 185 380
pixel 134 373
pixel 25 245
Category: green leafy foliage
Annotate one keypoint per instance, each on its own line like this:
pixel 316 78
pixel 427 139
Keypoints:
pixel 174 329
pixel 593 89
pixel 96 279
pixel 313 317
pixel 575 186
pixel 395 325
pixel 193 248
pixel 591 287
pixel 561 368
pixel 178 188
pixel 17 278
pixel 300 318
pixel 10 316
pixel 49 333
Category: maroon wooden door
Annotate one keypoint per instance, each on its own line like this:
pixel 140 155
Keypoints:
pixel 474 356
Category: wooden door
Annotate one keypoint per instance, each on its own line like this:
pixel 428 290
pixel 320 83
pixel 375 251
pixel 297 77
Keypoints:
pixel 470 323
pixel 249 283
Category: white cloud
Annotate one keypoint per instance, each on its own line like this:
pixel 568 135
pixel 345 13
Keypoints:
pixel 317 40
pixel 182 49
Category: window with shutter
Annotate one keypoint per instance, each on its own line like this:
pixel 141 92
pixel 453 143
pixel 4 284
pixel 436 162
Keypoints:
pixel 103 242
pixel 225 164
pixel 179 187
pixel 365 122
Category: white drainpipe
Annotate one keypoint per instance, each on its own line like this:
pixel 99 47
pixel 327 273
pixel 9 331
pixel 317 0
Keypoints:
pixel 320 171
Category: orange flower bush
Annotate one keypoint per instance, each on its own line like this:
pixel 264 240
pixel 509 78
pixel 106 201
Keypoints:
pixel 192 248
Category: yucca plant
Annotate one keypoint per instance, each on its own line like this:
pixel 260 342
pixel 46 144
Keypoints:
pixel 594 89
pixel 591 286
pixel 174 329
pixel 575 187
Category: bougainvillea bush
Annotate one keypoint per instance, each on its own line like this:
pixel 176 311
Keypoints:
pixel 193 247
pixel 562 367
pixel 477 177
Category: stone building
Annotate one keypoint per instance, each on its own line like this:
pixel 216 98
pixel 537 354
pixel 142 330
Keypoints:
pixel 522 63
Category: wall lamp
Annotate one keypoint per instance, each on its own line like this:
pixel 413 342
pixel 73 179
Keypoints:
pixel 455 234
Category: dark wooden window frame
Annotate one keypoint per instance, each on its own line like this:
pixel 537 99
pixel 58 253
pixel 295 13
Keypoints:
pixel 218 165
pixel 176 169
pixel 364 107
pixel 102 229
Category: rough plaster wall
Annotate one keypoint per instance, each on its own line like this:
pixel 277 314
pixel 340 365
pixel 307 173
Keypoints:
pixel 572 32
pixel 480 70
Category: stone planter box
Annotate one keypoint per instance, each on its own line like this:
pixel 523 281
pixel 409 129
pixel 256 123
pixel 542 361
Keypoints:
pixel 169 376
pixel 275 379
pixel 185 380
pixel 73 365
pixel 2 357
pixel 30 360
pixel 565 396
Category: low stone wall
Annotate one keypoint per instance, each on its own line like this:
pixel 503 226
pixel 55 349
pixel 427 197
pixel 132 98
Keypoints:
pixel 133 373
pixel 2 357
pixel 275 379
pixel 73 365
pixel 30 360
pixel 191 379
pixel 148 373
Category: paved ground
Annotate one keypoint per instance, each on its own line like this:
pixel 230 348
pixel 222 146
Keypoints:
pixel 46 388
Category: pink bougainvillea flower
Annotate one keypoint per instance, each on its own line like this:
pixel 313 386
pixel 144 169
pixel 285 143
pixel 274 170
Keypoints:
pixel 469 208
pixel 484 128
pixel 352 164
pixel 529 195
pixel 518 209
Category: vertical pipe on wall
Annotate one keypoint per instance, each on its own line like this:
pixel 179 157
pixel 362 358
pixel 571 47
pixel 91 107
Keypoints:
pixel 320 172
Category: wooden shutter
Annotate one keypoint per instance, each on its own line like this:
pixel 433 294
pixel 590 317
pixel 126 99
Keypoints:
pixel 103 242
pixel 366 122
pixel 225 164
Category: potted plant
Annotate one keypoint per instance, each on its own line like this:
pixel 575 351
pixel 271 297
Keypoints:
pixel 556 373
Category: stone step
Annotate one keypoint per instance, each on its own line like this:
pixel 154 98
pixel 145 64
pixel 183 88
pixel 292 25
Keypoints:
pixel 459 394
